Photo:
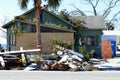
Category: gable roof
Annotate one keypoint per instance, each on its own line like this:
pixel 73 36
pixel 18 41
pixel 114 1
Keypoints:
pixel 12 21
pixel 29 11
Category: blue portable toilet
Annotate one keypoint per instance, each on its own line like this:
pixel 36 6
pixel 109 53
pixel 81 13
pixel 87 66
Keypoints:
pixel 113 45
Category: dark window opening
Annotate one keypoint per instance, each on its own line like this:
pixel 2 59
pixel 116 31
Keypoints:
pixel 86 40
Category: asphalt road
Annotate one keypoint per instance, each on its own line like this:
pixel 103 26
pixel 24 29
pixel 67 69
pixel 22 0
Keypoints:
pixel 59 75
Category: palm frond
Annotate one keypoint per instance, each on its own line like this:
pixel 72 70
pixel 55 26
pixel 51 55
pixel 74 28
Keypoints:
pixel 23 4
pixel 54 3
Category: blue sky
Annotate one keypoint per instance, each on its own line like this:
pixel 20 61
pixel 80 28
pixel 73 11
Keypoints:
pixel 10 8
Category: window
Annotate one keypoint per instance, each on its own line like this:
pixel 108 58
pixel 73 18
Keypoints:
pixel 12 39
pixel 86 40
pixel 28 28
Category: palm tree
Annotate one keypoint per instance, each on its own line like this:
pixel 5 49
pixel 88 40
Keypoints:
pixel 37 3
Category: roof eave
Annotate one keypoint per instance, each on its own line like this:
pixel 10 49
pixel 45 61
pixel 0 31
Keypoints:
pixel 4 26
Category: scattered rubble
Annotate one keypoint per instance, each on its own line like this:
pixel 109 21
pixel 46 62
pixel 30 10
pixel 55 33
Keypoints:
pixel 106 64
pixel 62 60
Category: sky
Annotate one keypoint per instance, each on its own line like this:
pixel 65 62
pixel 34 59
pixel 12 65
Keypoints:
pixel 10 7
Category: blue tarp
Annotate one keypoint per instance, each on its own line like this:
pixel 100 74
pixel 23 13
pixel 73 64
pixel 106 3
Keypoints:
pixel 75 53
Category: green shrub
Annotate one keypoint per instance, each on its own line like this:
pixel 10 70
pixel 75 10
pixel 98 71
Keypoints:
pixel 62 43
pixel 58 44
pixel 86 54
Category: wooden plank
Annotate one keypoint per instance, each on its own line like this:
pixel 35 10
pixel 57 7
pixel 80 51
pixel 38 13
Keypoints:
pixel 106 49
pixel 20 51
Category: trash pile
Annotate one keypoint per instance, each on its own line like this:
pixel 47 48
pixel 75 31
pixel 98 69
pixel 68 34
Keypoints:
pixel 8 62
pixel 62 60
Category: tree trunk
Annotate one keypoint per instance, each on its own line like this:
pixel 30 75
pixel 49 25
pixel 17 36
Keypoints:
pixel 38 30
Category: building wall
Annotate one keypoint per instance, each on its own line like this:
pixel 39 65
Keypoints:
pixel 47 39
pixel 97 40
pixel 28 40
pixel 118 39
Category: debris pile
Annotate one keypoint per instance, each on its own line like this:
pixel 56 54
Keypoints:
pixel 63 60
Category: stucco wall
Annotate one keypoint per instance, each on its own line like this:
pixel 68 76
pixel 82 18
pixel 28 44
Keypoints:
pixel 47 39
pixel 28 40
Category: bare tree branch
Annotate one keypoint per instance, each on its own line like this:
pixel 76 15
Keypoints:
pixel 81 12
pixel 110 6
pixel 97 3
pixel 115 16
pixel 2 22
pixel 3 35
pixel 94 6
pixel 107 13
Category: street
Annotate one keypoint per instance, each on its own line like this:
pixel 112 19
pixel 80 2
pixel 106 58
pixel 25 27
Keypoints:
pixel 59 75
